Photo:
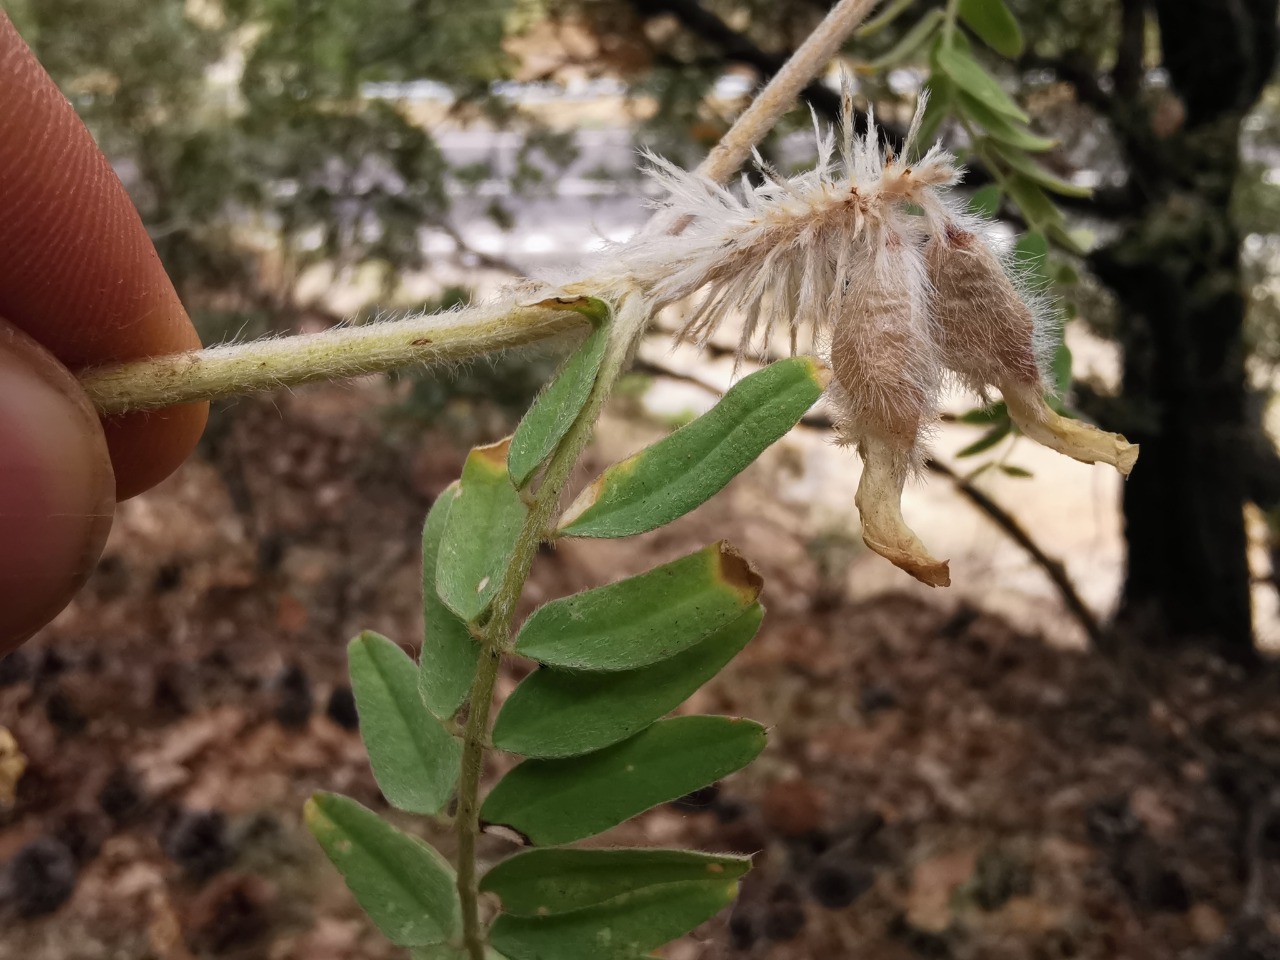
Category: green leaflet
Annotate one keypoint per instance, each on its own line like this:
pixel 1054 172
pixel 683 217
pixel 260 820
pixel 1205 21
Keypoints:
pixel 911 41
pixel 449 653
pixel 997 127
pixel 619 929
pixel 942 95
pixel 406 887
pixel 414 759
pixel 967 74
pixel 683 470
pixel 986 201
pixel 1031 200
pixel 882 19
pixel 643 619
pixel 558 801
pixel 987 440
pixel 994 24
pixel 563 713
pixel 1031 254
pixel 984 416
pixel 1020 162
pixel 539 883
pixel 479 533
pixel 556 407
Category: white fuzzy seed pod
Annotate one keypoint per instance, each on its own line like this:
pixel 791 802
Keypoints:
pixel 882 354
pixel 990 336
pixel 886 380
pixel 986 330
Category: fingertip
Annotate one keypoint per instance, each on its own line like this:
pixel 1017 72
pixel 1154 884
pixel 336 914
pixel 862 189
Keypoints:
pixel 79 273
pixel 148 446
pixel 56 488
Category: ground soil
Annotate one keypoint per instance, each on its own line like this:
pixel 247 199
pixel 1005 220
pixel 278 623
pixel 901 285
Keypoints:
pixel 938 784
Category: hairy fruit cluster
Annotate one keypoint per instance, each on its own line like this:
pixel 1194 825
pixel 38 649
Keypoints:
pixel 877 263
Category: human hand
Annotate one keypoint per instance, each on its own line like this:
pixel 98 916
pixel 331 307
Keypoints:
pixel 80 285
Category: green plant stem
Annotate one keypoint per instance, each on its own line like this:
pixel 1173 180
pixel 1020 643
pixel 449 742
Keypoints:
pixel 949 25
pixel 627 327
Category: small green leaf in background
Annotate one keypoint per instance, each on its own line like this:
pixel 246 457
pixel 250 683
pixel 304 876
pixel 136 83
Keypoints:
pixel 1031 200
pixel 998 127
pixel 911 41
pixel 1009 470
pixel 1020 162
pixel 555 408
pixel 414 759
pixel 479 533
pixel 987 440
pixel 449 653
pixel 563 713
pixel 1061 369
pixel 984 416
pixel 643 619
pixel 969 76
pixel 994 24
pixel 688 467
pixel 942 95
pixel 406 887
pixel 620 929
pixel 890 13
pixel 539 883
pixel 1030 253
pixel 558 801
pixel 986 201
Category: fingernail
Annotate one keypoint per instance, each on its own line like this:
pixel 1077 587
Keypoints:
pixel 57 493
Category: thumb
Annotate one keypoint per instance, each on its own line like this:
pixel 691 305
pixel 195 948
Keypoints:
pixel 57 492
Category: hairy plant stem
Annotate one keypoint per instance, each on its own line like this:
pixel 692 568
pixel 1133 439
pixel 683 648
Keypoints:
pixel 626 329
pixel 778 96
pixel 334 354
pixel 377 347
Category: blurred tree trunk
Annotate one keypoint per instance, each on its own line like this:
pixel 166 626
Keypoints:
pixel 1175 270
